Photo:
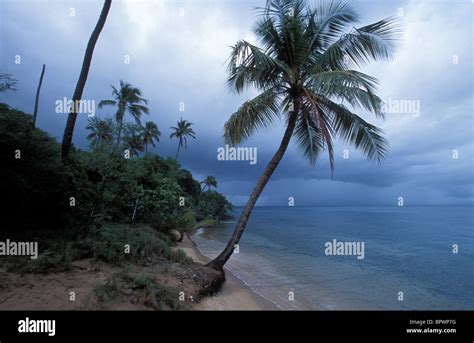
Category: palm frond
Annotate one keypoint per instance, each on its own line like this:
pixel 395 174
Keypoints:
pixel 310 105
pixel 372 42
pixel 107 103
pixel 309 137
pixel 251 66
pixel 331 19
pixel 352 129
pixel 356 88
pixel 259 112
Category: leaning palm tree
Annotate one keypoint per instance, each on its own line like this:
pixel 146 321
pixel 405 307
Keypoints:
pixel 86 64
pixel 182 132
pixel 208 182
pixel 133 139
pixel 304 70
pixel 127 99
pixel 101 131
pixel 150 134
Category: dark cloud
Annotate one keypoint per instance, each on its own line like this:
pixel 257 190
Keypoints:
pixel 177 59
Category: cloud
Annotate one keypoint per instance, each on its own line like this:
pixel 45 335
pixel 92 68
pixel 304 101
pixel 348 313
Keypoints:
pixel 182 59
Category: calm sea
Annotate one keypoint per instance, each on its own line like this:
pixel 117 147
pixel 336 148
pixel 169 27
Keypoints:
pixel 406 249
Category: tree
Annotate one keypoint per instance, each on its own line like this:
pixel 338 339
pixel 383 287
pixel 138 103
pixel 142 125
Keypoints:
pixel 208 182
pixel 86 63
pixel 182 132
pixel 35 112
pixel 304 70
pixel 133 140
pixel 151 134
pixel 127 99
pixel 101 131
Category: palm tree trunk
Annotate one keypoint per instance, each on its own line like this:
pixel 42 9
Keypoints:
pixel 119 134
pixel 219 261
pixel 86 63
pixel 35 113
pixel 177 152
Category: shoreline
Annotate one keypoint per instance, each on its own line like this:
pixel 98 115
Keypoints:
pixel 234 295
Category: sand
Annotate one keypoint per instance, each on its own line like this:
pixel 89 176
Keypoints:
pixel 52 291
pixel 234 295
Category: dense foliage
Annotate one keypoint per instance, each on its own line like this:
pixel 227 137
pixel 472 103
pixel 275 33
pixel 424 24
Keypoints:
pixel 92 187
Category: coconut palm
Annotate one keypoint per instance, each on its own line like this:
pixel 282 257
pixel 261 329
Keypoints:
pixel 150 134
pixel 127 99
pixel 208 182
pixel 182 132
pixel 101 131
pixel 81 82
pixel 133 139
pixel 304 69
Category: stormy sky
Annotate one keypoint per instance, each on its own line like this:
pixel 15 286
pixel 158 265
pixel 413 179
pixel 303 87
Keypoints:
pixel 177 53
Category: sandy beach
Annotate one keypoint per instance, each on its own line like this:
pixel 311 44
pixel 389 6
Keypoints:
pixel 234 295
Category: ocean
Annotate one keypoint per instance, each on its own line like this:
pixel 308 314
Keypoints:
pixel 415 257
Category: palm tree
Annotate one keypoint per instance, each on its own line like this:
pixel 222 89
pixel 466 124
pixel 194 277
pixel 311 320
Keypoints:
pixel 208 182
pixel 86 63
pixel 35 111
pixel 150 134
pixel 127 99
pixel 101 131
pixel 304 70
pixel 133 140
pixel 182 132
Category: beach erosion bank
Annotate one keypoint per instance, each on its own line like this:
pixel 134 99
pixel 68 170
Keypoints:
pixel 234 294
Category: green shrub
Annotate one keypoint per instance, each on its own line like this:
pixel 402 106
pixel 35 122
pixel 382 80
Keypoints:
pixel 31 169
pixel 212 205
pixel 161 206
pixel 180 257
pixel 108 243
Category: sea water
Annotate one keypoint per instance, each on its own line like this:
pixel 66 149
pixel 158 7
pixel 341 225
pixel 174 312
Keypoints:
pixel 415 257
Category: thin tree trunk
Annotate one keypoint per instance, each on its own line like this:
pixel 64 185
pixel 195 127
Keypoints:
pixel 119 134
pixel 135 211
pixel 219 261
pixel 86 63
pixel 177 152
pixel 35 112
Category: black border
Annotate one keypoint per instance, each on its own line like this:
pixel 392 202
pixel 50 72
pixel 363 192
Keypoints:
pixel 169 326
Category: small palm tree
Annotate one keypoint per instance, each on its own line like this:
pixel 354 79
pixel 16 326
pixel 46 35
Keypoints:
pixel 101 131
pixel 182 132
pixel 208 182
pixel 150 134
pixel 127 99
pixel 304 70
pixel 133 139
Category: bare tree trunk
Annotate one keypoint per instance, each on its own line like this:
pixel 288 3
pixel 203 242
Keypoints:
pixel 86 63
pixel 135 211
pixel 219 261
pixel 119 134
pixel 35 112
pixel 177 152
